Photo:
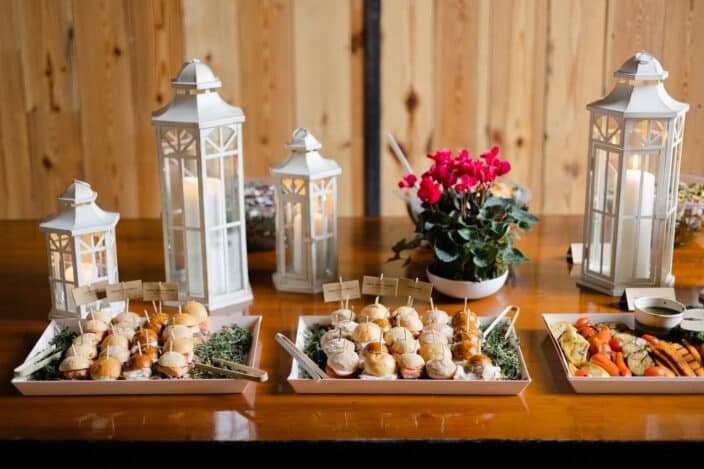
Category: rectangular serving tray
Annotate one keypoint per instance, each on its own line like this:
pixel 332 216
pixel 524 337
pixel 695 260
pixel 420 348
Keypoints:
pixel 252 324
pixel 399 386
pixel 617 384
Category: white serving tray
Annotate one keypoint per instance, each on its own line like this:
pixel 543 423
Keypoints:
pixel 616 384
pixel 399 386
pixel 153 386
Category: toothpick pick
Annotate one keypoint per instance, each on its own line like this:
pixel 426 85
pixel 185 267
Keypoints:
pixel 432 305
pixel 146 314
pixel 179 310
pixel 156 311
pixel 73 348
pixel 80 327
pixel 92 314
pixel 465 305
pixel 139 348
pixel 342 302
pixel 376 300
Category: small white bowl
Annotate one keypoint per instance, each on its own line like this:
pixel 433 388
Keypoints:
pixel 651 316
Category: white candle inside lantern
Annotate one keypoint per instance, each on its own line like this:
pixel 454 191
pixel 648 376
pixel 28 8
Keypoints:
pixel 636 240
pixel 297 245
pixel 216 249
pixel 86 273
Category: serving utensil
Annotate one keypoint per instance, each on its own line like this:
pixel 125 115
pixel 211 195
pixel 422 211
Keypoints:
pixel 306 363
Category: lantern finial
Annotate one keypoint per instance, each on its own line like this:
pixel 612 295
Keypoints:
pixel 79 192
pixel 302 140
pixel 642 66
pixel 195 75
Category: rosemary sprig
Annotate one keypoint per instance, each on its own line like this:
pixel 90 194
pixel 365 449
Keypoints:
pixel 230 343
pixel 63 341
pixel 503 352
pixel 312 347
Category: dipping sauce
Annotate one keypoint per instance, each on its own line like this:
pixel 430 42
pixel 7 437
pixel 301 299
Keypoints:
pixel 659 310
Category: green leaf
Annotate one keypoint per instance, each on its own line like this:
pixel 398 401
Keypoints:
pixel 465 233
pixel 514 256
pixel 497 202
pixel 521 215
pixel 445 253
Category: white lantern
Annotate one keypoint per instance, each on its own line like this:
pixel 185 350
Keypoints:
pixel 635 150
pixel 306 216
pixel 80 244
pixel 199 143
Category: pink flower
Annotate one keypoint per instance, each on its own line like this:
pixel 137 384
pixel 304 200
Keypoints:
pixel 443 156
pixel 409 180
pixel 486 173
pixel 504 167
pixel 490 154
pixel 466 183
pixel 429 190
pixel 443 173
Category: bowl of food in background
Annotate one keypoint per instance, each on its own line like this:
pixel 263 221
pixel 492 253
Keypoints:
pixel 260 211
pixel 690 208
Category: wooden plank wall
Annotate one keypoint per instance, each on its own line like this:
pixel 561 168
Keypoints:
pixel 518 73
pixel 82 76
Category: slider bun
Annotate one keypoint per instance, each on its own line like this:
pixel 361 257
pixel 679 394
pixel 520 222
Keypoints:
pixel 410 322
pixel 87 351
pixel 172 364
pixel 435 351
pixel 404 311
pixel 384 324
pixel 396 333
pixel 474 336
pixel 441 328
pixel 184 319
pixel 379 364
pixel 407 345
pixel 182 345
pixel 94 326
pixel 157 320
pixel 139 362
pixel 100 315
pixel 195 309
pixel 411 361
pixel 116 340
pixel 147 336
pixel 344 364
pixel 87 338
pixel 366 332
pixel 461 318
pixel 342 314
pixel 464 350
pixel 117 352
pixel 347 328
pixel 106 368
pixel 372 312
pixel 175 332
pixel 330 335
pixel 435 316
pixel 441 368
pixel 74 363
pixel 123 329
pixel 431 336
pixel 375 347
pixel 337 345
pixel 129 318
pixel 151 352
pixel 478 362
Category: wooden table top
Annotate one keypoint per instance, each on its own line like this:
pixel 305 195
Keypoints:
pixel 546 410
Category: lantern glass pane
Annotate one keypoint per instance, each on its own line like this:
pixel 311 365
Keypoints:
pixel 595 244
pixel 599 128
pixel 658 133
pixel 229 139
pixel 177 257
pixel 65 243
pixel 294 229
pixel 86 242
pixel 613 131
pixel 599 179
pixel 191 194
pixel 70 304
pixel 216 262
pixel 607 245
pixel 174 200
pixel 99 240
pixel 54 242
pixel 87 269
pixel 195 263
pixel 68 268
pixel 638 136
pixel 232 202
pixel 59 299
pixel 101 263
pixel 213 141
pixel 612 182
pixel 214 201
pixel 56 264
pixel 169 142
pixel 234 272
pixel 187 144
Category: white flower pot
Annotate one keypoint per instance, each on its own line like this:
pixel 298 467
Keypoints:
pixel 467 289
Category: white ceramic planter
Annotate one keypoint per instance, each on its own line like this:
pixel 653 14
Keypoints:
pixel 467 289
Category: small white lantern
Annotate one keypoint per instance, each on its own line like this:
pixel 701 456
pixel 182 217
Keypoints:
pixel 306 216
pixel 635 151
pixel 199 143
pixel 80 244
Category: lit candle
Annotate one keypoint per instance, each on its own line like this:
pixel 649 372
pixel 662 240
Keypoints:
pixel 216 248
pixel 86 273
pixel 297 245
pixel 630 246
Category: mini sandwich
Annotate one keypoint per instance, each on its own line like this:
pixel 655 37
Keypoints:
pixel 403 311
pixel 411 365
pixel 75 367
pixel 441 328
pixel 99 328
pixel 121 354
pixel 129 318
pixel 464 350
pixel 342 314
pixel 462 319
pixel 122 329
pixel 158 321
pixel 172 365
pixel 86 351
pixel 380 365
pixel 441 368
pixel 384 324
pixel 373 311
pixel 394 334
pixel 182 345
pixel 332 334
pixel 373 348
pixel 343 365
pixel 101 315
pixel 199 312
pixel 435 316
pixel 175 332
pixel 473 335
pixel 151 352
pixel 115 340
pixel 105 368
pixel 347 328
pixel 139 367
pixel 366 332
pixel 436 351
pixel 188 321
pixel 412 323
pixel 337 345
pixel 86 339
pixel 405 345
pixel 431 336
pixel 478 363
pixel 146 338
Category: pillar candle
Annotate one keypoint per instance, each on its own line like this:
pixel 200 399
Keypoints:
pixel 632 247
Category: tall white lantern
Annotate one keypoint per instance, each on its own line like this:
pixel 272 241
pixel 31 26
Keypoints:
pixel 199 143
pixel 306 216
pixel 80 245
pixel 635 151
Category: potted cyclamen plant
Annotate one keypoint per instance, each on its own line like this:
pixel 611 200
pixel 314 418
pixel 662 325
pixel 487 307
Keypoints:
pixel 468 221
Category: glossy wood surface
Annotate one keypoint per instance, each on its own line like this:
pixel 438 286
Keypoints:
pixel 548 409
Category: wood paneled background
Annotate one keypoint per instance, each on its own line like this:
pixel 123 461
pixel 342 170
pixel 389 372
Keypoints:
pixel 81 77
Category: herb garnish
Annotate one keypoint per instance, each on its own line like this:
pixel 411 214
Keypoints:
pixel 230 343
pixel 63 341
pixel 503 352
pixel 312 347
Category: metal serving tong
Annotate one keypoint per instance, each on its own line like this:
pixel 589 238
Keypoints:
pixel 495 322
pixel 234 370
pixel 306 363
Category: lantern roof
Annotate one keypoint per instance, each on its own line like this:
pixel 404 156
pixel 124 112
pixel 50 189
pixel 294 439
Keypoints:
pixel 81 214
pixel 193 108
pixel 635 97
pixel 304 159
